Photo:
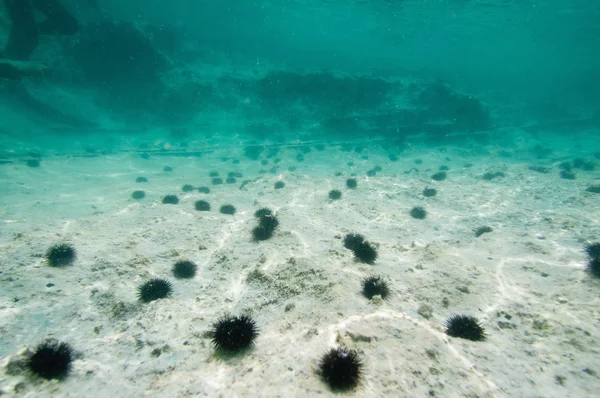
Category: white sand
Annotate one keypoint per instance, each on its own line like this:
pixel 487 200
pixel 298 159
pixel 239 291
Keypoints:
pixel 525 281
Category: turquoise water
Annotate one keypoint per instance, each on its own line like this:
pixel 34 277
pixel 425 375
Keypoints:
pixel 284 102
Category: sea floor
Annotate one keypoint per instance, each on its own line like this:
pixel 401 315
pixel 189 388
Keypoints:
pixel 526 280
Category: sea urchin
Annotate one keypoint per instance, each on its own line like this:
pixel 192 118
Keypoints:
pixel 365 252
pixel 202 205
pixel 231 333
pixel 418 212
pixel 184 269
pixel 263 212
pixel 353 240
pixel 335 194
pixel 593 250
pixel 266 228
pixel 594 267
pixel 51 360
pixel 341 368
pixel 228 209
pixel 375 285
pixel 137 195
pixel 61 254
pixel 465 327
pixel 170 200
pixel 154 289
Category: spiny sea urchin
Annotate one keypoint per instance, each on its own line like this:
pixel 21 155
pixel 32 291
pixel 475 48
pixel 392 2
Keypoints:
pixel 439 176
pixel 352 240
pixel 335 194
pixel 263 212
pixel 482 230
pixel 375 285
pixel 593 250
pixel 231 333
pixel 341 368
pixel 60 255
pixel 51 360
pixel 594 267
pixel 593 188
pixel 418 212
pixel 184 269
pixel 202 205
pixel 139 194
pixel 267 226
pixel 429 192
pixel 228 209
pixel 154 289
pixel 365 252
pixel 170 200
pixel 465 327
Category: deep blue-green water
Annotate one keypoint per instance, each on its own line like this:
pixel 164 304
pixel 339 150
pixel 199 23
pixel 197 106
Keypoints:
pixel 291 70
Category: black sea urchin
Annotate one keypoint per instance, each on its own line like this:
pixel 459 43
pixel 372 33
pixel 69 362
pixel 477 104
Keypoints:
pixel 593 250
pixel 266 228
pixel 429 192
pixel 567 175
pixel 335 194
pixel 187 188
pixel 61 254
pixel 351 183
pixel 154 289
pixel 593 188
pixel 482 230
pixel 51 360
pixel 202 205
pixel 375 285
pixel 439 176
pixel 594 267
pixel 184 269
pixel 137 195
pixel 365 252
pixel 204 190
pixel 232 333
pixel 263 212
pixel 341 368
pixel 228 209
pixel 141 179
pixel 270 222
pixel 418 212
pixel 352 240
pixel 465 327
pixel 279 185
pixel 170 200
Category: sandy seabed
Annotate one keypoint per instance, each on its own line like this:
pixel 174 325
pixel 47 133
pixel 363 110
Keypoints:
pixel 525 281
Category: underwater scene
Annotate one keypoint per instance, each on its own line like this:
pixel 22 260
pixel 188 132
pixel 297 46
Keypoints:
pixel 300 198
